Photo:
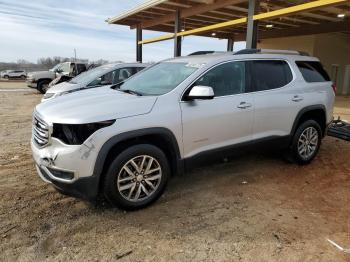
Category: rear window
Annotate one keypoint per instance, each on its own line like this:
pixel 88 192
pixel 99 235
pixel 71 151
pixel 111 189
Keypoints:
pixel 270 74
pixel 313 71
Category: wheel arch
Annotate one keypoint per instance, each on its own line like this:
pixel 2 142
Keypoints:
pixel 160 137
pixel 43 79
pixel 315 112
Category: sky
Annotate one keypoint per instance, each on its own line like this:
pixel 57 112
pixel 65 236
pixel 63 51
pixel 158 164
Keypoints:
pixel 39 28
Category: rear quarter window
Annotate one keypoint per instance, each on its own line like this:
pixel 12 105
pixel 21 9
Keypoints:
pixel 270 74
pixel 313 71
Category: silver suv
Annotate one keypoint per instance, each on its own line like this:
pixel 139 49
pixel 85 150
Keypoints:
pixel 100 76
pixel 14 74
pixel 124 142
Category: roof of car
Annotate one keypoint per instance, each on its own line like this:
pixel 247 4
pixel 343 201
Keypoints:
pixel 117 65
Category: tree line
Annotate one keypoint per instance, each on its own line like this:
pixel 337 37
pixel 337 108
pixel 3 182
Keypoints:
pixel 43 63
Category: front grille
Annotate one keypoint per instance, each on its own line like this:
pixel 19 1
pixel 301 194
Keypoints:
pixel 40 131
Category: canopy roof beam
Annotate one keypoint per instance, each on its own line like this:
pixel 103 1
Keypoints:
pixel 187 12
pixel 328 27
pixel 262 16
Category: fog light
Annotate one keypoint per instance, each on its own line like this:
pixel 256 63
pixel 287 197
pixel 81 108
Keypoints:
pixel 67 175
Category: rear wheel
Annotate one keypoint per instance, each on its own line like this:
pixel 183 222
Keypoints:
pixel 6 77
pixel 23 77
pixel 306 142
pixel 137 177
pixel 43 86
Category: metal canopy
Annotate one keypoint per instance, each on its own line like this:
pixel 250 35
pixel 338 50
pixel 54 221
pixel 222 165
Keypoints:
pixel 159 15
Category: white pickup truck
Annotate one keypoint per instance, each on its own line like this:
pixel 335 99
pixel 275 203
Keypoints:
pixel 41 79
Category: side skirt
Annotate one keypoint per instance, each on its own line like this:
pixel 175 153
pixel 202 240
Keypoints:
pixel 268 144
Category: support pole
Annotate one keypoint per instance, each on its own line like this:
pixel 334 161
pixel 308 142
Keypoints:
pixel 230 43
pixel 138 46
pixel 177 39
pixel 252 26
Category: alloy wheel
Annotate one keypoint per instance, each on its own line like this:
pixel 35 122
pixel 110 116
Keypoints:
pixel 308 142
pixel 139 178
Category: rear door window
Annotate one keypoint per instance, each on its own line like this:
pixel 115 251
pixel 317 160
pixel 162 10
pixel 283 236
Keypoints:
pixel 270 74
pixel 138 69
pixel 125 73
pixel 313 71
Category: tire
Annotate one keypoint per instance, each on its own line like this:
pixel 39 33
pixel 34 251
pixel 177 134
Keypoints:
pixel 6 77
pixel 43 86
pixel 23 77
pixel 306 142
pixel 123 182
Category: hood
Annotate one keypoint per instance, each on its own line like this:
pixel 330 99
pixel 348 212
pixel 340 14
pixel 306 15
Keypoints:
pixel 36 74
pixel 64 87
pixel 94 105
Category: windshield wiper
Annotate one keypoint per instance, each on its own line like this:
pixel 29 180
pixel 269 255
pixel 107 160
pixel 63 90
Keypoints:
pixel 128 91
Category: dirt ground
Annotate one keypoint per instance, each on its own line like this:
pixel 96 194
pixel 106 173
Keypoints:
pixel 256 207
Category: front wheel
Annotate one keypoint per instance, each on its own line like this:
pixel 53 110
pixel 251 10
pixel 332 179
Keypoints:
pixel 306 142
pixel 137 177
pixel 43 86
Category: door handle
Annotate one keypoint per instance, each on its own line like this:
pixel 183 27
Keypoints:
pixel 297 98
pixel 244 105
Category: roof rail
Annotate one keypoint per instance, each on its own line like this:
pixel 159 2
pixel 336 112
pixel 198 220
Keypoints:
pixel 201 53
pixel 247 51
pixel 206 53
pixel 270 51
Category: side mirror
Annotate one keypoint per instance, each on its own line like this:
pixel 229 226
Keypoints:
pixel 201 92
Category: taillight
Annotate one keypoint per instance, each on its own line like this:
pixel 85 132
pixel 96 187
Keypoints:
pixel 334 88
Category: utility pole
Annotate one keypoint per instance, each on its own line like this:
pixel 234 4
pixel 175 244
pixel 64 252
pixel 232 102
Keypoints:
pixel 75 61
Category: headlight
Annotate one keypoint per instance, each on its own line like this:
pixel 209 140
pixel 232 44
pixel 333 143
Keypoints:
pixel 70 91
pixel 48 95
pixel 76 134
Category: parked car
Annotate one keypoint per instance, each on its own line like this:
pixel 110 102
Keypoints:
pixel 65 78
pixel 125 142
pixel 14 74
pixel 2 73
pixel 41 79
pixel 100 76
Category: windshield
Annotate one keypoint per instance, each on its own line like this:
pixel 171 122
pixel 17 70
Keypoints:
pixel 159 79
pixel 55 67
pixel 89 76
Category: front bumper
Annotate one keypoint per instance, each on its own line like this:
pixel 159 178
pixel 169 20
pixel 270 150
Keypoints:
pixel 31 83
pixel 68 168
pixel 85 188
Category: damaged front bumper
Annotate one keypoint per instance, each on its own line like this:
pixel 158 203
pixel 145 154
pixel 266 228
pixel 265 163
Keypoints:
pixel 68 168
pixel 84 188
